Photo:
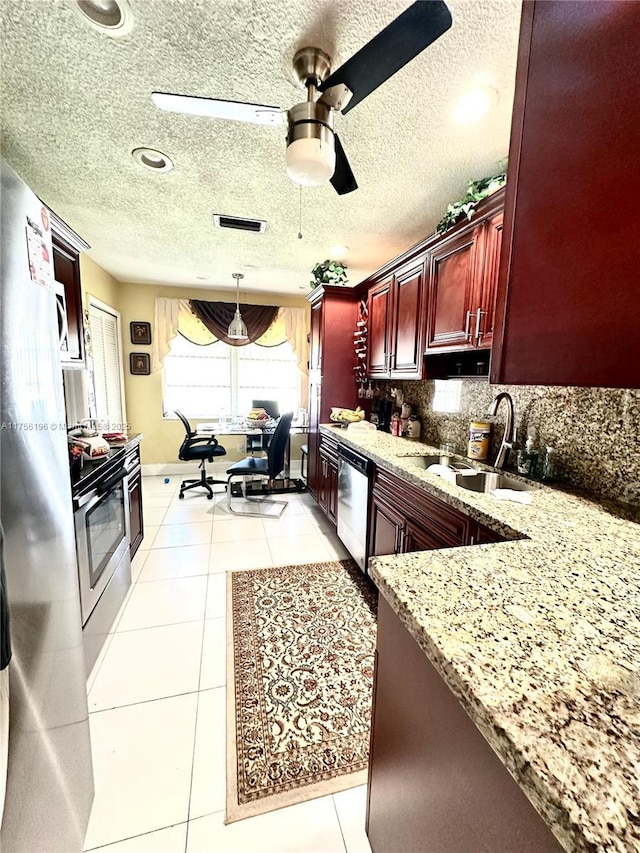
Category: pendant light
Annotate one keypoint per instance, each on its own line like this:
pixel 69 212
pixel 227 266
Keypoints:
pixel 237 330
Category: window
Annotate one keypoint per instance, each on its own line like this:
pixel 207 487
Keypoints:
pixel 221 380
pixel 107 365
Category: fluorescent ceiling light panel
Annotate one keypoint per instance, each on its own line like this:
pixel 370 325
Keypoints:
pixel 211 108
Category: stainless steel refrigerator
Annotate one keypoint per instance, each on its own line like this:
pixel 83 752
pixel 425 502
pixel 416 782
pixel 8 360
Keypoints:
pixel 50 779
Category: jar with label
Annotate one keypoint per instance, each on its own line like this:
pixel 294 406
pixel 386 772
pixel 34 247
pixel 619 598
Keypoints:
pixel 396 425
pixel 414 427
pixel 479 436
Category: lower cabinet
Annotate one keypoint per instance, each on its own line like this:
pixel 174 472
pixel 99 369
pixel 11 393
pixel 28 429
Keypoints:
pixel 404 519
pixel 327 477
pixel 435 784
pixel 136 525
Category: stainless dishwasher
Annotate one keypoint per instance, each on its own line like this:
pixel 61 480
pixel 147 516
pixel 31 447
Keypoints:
pixel 353 495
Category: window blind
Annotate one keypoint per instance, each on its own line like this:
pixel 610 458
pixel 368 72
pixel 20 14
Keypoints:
pixel 106 367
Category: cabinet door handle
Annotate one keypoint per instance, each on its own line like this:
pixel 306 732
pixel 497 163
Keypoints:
pixel 467 326
pixel 401 542
pixel 479 332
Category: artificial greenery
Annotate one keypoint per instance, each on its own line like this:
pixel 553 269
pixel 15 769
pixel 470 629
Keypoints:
pixel 329 272
pixel 476 191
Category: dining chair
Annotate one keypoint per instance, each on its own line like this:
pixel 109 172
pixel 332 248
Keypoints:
pixel 266 468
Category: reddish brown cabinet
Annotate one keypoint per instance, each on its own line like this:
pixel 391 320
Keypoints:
pixel 404 519
pixel 136 522
pixel 67 246
pixel 396 323
pixel 406 339
pixel 379 307
pixel 435 784
pixel 331 359
pixel 463 279
pixel 327 477
pixel 568 297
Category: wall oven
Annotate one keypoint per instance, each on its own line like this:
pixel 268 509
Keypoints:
pixel 101 518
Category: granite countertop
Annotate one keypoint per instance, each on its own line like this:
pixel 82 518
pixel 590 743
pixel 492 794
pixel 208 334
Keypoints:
pixel 538 637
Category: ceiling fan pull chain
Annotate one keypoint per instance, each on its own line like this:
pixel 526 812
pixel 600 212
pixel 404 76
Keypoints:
pixel 300 226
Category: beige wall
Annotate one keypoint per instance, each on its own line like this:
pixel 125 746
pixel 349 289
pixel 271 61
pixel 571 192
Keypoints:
pixel 97 282
pixel 136 302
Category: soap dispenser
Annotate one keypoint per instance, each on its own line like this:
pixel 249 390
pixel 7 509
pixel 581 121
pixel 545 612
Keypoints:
pixel 528 458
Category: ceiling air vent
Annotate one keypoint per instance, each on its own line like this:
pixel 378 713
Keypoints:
pixel 258 226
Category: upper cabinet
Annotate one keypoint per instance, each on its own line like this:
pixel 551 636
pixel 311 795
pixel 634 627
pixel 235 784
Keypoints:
pixel 66 269
pixel 567 310
pixel 438 297
pixel 463 279
pixel 379 307
pixel 396 323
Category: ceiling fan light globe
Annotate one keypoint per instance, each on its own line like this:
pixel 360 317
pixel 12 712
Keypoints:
pixel 310 162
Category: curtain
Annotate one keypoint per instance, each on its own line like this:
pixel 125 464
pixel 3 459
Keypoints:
pixel 165 329
pixel 176 315
pixel 296 329
pixel 217 316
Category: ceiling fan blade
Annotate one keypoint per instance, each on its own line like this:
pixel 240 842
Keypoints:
pixel 343 180
pixel 212 108
pixel 398 43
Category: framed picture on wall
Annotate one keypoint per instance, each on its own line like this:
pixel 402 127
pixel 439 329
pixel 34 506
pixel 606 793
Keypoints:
pixel 140 333
pixel 139 363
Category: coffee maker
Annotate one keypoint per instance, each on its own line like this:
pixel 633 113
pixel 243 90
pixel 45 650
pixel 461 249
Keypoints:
pixel 381 411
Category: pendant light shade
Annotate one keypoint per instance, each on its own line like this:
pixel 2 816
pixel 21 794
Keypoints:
pixel 237 330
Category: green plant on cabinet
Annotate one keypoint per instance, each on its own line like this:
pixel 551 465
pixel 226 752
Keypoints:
pixel 328 272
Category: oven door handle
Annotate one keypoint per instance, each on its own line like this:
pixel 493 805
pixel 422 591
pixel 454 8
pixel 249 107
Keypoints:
pixel 103 488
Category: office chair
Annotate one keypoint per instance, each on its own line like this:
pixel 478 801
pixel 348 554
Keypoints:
pixel 261 442
pixel 268 468
pixel 202 448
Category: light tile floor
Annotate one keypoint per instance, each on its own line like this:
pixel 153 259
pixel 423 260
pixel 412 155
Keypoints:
pixel 157 691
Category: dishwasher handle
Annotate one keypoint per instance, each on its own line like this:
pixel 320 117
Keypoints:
pixel 360 463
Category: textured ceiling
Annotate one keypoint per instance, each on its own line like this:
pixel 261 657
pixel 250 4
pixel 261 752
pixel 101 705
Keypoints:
pixel 76 102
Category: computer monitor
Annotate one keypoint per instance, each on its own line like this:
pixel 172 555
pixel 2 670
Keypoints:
pixel 270 406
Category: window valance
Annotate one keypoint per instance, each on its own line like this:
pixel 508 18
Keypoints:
pixel 178 315
pixel 217 316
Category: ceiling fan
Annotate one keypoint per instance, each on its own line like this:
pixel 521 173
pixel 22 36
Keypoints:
pixel 314 153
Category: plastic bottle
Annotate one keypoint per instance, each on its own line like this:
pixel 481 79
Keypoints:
pixel 479 435
pixel 550 465
pixel 527 462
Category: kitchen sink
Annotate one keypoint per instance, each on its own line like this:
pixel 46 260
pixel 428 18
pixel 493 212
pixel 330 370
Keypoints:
pixel 447 461
pixel 487 481
pixel 467 476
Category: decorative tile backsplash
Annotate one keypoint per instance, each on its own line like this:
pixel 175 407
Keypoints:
pixel 595 431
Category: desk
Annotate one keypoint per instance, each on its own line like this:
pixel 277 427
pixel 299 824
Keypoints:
pixel 218 428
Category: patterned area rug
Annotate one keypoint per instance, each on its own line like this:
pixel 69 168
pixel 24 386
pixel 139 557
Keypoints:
pixel 300 653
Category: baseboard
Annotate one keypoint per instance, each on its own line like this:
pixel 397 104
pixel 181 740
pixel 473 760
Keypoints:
pixel 217 470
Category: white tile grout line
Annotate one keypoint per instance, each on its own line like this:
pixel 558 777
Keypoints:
pixel 195 730
pixel 335 808
pixel 140 835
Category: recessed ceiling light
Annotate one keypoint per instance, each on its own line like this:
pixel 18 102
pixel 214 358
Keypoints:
pixel 152 159
pixel 112 17
pixel 475 103
pixel 338 251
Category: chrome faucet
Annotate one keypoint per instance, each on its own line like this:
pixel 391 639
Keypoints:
pixel 509 439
